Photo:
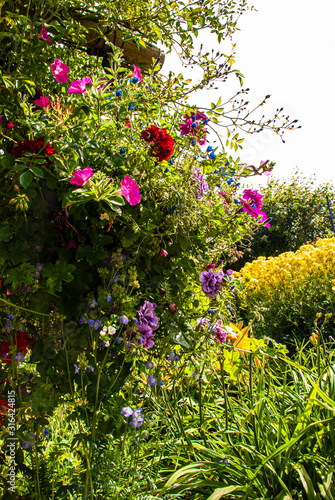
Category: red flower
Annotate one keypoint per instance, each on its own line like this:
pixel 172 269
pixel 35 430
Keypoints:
pixel 22 341
pixel 162 142
pixel 33 146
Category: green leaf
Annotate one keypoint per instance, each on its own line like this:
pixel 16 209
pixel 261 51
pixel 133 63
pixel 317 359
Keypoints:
pixel 25 179
pixel 57 273
pixel 37 171
pixel 221 492
pixel 183 242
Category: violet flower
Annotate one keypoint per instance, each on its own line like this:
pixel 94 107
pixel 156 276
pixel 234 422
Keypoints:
pixel 211 283
pixel 147 316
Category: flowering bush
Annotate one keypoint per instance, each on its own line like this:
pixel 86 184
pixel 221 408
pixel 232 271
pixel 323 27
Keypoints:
pixel 288 291
pixel 110 212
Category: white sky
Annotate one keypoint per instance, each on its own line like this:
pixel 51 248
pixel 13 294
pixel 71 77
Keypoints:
pixel 286 49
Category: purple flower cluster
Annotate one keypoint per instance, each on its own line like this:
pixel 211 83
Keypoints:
pixel 211 283
pixel 252 203
pixel 147 323
pixel 195 125
pixel 201 184
pixel 220 333
pixel 137 418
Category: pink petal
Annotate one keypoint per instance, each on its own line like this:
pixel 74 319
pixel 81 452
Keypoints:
pixel 137 73
pixel 60 71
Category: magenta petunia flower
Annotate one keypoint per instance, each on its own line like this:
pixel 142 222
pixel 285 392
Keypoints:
pixel 44 35
pixel 79 86
pixel 42 102
pixel 137 73
pixel 81 177
pixel 163 253
pixel 101 85
pixel 60 71
pixel 253 197
pixel 130 190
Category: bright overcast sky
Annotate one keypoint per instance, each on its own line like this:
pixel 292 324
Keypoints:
pixel 286 49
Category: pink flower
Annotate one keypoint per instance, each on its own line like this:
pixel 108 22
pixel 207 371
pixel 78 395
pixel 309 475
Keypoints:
pixel 44 35
pixel 164 253
pixel 60 71
pixel 130 190
pixel 79 86
pixel 267 172
pixel 137 73
pixel 100 87
pixel 71 244
pixel 81 177
pixel 43 102
pixel 127 123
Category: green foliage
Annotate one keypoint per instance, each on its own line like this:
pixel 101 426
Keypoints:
pixel 298 211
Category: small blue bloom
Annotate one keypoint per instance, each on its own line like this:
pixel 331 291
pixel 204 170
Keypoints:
pixel 90 322
pixel 227 462
pixel 166 170
pixel 122 151
pixel 230 181
pixel 216 171
pixel 19 357
pixel 209 149
pixel 117 277
pixel 82 321
pixel 229 308
pixel 131 106
pixel 205 121
pixel 118 93
pixel 91 368
pixel 37 274
pixel 124 320
pixel 194 125
pixel 10 316
pixel 194 117
pixel 109 298
pixel 96 324
pixel 193 142
pixel 152 380
pixel 171 161
pixel 212 156
pixel 76 368
pixel 26 445
pixel 135 320
pixel 210 311
pixel 163 383
pixel 134 79
pixel 93 304
pixel 39 266
pixel 118 340
pixel 149 365
pixel 45 432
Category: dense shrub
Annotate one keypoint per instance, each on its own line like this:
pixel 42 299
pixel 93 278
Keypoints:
pixel 285 293
pixel 298 211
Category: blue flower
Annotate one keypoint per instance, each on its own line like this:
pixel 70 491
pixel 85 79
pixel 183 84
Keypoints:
pixel 212 156
pixel 193 142
pixel 91 368
pixel 82 321
pixel 19 357
pixel 124 320
pixel 137 418
pixel 118 93
pixel 45 432
pixel 230 181
pixel 126 411
pixel 210 311
pixel 131 106
pixel 109 298
pixel 229 308
pixel 122 151
pixel 93 304
pixel 96 324
pixel 149 365
pixel 163 382
pixel 152 380
pixel 39 266
pixel 118 340
pixel 10 316
pixel 166 170
pixel 90 322
pixel 37 274
pixel 134 79
pixel 194 125
pixel 76 368
pixel 209 149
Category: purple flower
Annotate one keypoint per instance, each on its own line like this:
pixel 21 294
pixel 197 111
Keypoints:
pixel 90 322
pixel 45 432
pixel 118 340
pixel 152 380
pixel 93 304
pixel 124 320
pixel 44 34
pixel 220 332
pixel 76 368
pixel 211 283
pixel 137 418
pixel 252 202
pixel 126 411
pixel 96 324
pixel 201 183
pixel 82 321
pixel 147 316
pixel 146 336
pixel 37 274
pixel 229 272
pixel 39 266
pixel 109 298
pixel 19 357
pixel 149 365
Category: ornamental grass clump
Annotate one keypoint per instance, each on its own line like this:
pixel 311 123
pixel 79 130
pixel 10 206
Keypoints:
pixel 288 291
